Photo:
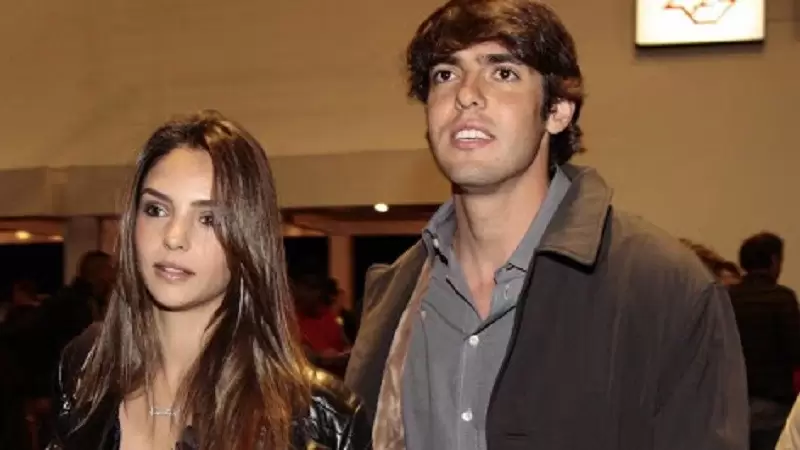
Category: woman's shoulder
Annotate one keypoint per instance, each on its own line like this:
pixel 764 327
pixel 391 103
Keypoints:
pixel 76 353
pixel 336 416
pixel 66 416
pixel 328 392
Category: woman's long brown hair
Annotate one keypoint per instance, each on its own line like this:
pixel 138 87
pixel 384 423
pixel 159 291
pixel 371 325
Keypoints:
pixel 249 381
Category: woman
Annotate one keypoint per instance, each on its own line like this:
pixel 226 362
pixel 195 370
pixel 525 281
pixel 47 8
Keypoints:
pixel 198 347
pixel 726 272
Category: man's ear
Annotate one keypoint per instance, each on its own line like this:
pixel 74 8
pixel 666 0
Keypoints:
pixel 560 116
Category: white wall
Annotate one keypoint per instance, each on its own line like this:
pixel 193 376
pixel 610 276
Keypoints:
pixel 702 141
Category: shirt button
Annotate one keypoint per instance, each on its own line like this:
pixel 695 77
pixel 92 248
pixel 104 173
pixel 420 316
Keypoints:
pixel 466 416
pixel 505 291
pixel 474 340
pixel 422 314
pixel 435 243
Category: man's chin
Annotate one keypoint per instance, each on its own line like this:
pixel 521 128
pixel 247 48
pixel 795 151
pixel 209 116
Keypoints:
pixel 473 186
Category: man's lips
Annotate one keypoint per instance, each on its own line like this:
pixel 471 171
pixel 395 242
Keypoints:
pixel 471 136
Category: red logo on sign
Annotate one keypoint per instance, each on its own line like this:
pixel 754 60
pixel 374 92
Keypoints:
pixel 702 11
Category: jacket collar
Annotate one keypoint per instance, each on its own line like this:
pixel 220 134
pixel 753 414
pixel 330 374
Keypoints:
pixel 576 230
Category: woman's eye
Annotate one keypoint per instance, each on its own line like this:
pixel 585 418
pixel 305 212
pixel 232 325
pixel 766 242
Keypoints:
pixel 154 210
pixel 207 220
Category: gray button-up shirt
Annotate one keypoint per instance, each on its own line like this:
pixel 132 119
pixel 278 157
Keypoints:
pixel 454 356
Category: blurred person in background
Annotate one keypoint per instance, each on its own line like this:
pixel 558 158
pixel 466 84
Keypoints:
pixel 322 333
pixel 346 316
pixel 726 272
pixel 768 317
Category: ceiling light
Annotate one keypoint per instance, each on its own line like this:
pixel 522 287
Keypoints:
pixel 22 235
pixel 381 207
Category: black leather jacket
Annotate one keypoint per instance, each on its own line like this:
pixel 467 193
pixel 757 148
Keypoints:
pixel 335 420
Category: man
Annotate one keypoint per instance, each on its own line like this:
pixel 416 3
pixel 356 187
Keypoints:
pixel 769 324
pixel 84 300
pixel 68 313
pixel 532 314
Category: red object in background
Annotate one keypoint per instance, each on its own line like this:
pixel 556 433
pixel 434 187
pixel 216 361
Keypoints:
pixel 323 332
pixel 797 381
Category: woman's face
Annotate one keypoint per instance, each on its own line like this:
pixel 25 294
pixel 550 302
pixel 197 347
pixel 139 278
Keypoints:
pixel 179 256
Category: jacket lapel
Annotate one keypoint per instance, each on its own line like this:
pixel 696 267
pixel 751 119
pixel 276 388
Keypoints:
pixel 386 295
pixel 101 427
pixel 576 230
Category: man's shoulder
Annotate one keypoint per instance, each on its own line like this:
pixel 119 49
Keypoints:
pixel 380 276
pixel 779 295
pixel 659 281
pixel 407 261
pixel 787 291
pixel 655 264
pixel 636 239
pixel 412 254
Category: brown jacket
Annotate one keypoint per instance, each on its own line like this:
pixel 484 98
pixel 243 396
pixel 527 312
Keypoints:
pixel 622 339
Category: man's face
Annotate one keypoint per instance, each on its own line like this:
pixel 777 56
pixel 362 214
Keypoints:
pixel 100 274
pixel 485 125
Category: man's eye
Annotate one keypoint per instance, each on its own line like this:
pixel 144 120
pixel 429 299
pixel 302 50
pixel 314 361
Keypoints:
pixel 441 76
pixel 506 74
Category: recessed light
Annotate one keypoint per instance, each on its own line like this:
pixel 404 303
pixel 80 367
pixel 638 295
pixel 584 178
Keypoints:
pixel 22 235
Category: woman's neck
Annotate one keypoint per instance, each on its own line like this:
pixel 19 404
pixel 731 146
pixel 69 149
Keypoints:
pixel 182 335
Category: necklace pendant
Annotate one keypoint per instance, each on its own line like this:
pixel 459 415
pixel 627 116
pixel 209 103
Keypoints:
pixel 161 412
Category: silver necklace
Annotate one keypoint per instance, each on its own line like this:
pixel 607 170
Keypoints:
pixel 161 412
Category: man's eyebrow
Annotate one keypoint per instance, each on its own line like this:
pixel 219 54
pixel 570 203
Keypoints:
pixel 487 59
pixel 444 59
pixel 501 58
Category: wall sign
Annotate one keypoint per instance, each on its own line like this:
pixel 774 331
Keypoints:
pixel 678 22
